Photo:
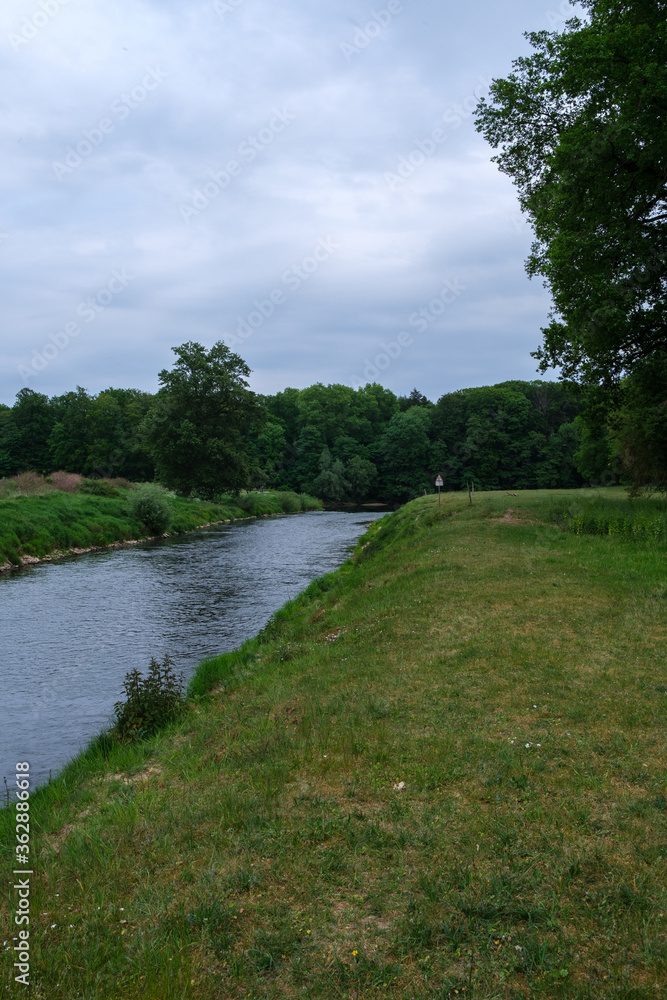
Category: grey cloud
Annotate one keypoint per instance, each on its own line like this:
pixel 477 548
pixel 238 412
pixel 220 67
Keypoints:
pixel 325 172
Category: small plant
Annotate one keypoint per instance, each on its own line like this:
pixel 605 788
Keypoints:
pixel 150 505
pixel 150 701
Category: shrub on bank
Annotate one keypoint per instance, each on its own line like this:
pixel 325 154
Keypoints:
pixel 97 488
pixel 278 502
pixel 30 483
pixel 150 702
pixel 67 482
pixel 150 505
pixel 258 504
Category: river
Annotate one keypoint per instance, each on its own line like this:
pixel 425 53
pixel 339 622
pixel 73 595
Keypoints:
pixel 70 631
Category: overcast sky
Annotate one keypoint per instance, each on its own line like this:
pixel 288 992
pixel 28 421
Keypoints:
pixel 301 179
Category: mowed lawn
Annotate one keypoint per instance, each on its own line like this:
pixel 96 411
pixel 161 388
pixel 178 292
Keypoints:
pixel 439 773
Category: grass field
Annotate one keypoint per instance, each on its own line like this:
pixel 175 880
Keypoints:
pixel 438 773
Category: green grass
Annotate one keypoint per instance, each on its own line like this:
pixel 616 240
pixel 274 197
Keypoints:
pixel 439 772
pixel 55 521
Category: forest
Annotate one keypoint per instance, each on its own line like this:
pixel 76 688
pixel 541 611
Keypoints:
pixel 331 441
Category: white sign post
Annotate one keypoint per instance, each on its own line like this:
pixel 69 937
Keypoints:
pixel 439 484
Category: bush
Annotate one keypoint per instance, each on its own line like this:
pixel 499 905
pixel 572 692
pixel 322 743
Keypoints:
pixel 290 502
pixel 309 503
pixel 150 505
pixel 120 482
pixel 97 488
pixel 31 483
pixel 258 504
pixel 67 482
pixel 150 702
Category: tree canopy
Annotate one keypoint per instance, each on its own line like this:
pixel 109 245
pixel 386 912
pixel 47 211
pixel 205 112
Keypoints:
pixel 197 429
pixel 205 432
pixel 581 126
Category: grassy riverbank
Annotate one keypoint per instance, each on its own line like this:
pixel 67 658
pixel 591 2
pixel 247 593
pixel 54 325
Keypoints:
pixel 32 527
pixel 440 772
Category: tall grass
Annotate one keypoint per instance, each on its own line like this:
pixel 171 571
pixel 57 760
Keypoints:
pixel 618 515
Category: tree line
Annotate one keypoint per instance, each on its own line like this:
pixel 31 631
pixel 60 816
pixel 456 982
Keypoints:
pixel 205 433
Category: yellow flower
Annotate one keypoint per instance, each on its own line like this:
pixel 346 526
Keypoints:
pixel 355 952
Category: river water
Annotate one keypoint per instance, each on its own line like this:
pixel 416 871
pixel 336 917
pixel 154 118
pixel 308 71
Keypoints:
pixel 70 631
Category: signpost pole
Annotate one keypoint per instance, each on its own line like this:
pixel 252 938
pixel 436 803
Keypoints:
pixel 439 483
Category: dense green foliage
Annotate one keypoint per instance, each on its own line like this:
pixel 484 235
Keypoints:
pixel 196 429
pixel 151 507
pixel 581 129
pixel 94 435
pixel 151 701
pixel 343 444
pixel 347 445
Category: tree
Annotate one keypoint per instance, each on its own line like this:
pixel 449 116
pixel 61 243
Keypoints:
pixel 30 425
pixel 117 446
pixel 404 453
pixel 512 435
pixel 269 449
pixel 330 484
pixel 71 439
pixel 362 476
pixel 582 130
pixel 416 398
pixel 6 441
pixel 198 427
pixel 639 427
